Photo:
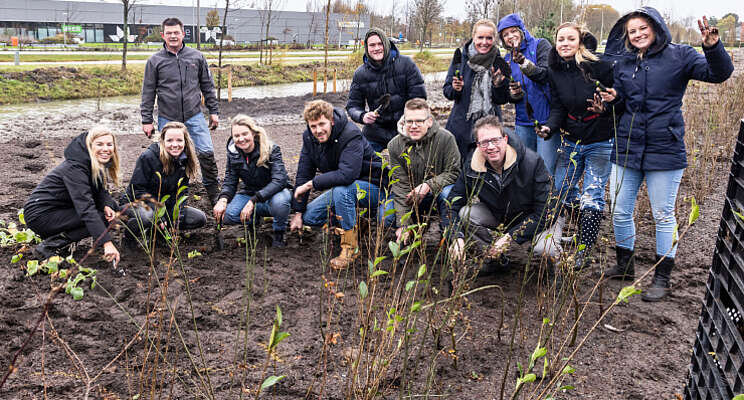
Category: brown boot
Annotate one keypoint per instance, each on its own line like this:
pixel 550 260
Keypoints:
pixel 349 250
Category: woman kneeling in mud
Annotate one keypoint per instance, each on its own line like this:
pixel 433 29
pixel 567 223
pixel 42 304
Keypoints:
pixel 71 202
pixel 255 160
pixel 160 172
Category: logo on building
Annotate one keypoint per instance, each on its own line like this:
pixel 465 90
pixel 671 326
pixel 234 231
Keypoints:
pixel 210 33
pixel 120 35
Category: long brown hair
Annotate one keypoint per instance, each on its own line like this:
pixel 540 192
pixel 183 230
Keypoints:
pixel 169 163
pixel 98 170
pixel 259 135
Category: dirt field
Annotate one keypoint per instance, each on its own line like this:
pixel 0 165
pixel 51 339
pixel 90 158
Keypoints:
pixel 641 351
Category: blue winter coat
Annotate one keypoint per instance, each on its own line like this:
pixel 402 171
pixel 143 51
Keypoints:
pixel 650 133
pixel 345 157
pixel 457 123
pixel 398 76
pixel 536 84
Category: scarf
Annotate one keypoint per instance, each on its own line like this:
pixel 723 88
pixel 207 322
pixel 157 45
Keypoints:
pixel 480 91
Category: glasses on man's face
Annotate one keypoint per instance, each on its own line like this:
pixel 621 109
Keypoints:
pixel 419 122
pixel 484 144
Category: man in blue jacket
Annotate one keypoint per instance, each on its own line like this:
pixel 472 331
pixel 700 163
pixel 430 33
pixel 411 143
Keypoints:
pixel 179 75
pixel 335 147
pixel 380 88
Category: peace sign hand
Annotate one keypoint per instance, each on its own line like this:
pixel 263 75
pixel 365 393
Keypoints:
pixel 709 33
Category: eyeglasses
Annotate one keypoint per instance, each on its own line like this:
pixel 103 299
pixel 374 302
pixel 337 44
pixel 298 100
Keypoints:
pixel 484 144
pixel 411 122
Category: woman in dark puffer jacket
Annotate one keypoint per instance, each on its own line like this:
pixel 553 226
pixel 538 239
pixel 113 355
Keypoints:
pixel 160 173
pixel 577 114
pixel 651 76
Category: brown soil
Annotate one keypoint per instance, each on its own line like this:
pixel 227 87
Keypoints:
pixel 644 354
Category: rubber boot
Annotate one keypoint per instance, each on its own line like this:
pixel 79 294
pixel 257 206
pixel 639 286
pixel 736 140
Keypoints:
pixel 625 267
pixel 51 246
pixel 349 250
pixel 277 240
pixel 209 176
pixel 660 285
pixel 589 230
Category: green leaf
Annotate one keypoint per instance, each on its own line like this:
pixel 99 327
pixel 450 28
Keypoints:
pixel 378 273
pixel 278 315
pixel 77 293
pixel 741 217
pixel 194 253
pixel 626 293
pixel 279 337
pixel 569 387
pixel 32 267
pixel 539 352
pixel 165 198
pixel 180 190
pixel 394 248
pixel 363 290
pixel 416 306
pixel 379 260
pixel 529 378
pixel 546 321
pixel 409 285
pixel 421 271
pixel 738 397
pixel 63 273
pixel 388 213
pixel 21 217
pixel 52 267
pixel 271 381
pixel 568 370
pixel 160 213
pixel 22 236
pixel 16 258
pixel 694 212
pixel 371 266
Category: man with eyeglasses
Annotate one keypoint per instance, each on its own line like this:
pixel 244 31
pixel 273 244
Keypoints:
pixel 425 163
pixel 178 75
pixel 512 186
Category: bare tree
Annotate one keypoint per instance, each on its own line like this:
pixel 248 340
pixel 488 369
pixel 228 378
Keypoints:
pixel 127 6
pixel 425 13
pixel 325 56
pixel 198 25
pixel 267 14
pixel 359 10
pixel 480 9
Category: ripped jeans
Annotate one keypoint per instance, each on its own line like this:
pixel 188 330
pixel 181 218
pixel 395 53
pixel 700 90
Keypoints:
pixel 592 161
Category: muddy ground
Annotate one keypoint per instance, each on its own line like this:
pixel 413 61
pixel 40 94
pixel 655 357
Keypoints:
pixel 641 351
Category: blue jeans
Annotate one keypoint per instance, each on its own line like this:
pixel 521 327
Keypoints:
pixel 547 149
pixel 343 202
pixel 425 207
pixel 277 206
pixel 198 130
pixel 590 160
pixel 662 193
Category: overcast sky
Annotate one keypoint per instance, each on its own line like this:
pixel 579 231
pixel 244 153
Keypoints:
pixel 454 8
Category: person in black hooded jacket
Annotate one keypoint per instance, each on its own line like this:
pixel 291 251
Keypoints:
pixel 577 113
pixel 71 202
pixel 160 173
pixel 253 159
pixel 335 147
pixel 385 73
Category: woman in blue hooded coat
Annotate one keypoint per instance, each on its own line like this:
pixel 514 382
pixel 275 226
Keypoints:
pixel 650 78
pixel 476 82
pixel 528 59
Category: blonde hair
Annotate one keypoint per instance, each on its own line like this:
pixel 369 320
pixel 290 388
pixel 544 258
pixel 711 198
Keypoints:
pixel 96 168
pixel 317 108
pixel 582 54
pixel 259 135
pixel 483 22
pixel 168 160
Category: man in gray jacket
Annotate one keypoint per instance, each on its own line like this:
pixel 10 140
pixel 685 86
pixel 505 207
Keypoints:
pixel 179 75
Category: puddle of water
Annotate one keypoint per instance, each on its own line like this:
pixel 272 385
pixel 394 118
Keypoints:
pixel 113 103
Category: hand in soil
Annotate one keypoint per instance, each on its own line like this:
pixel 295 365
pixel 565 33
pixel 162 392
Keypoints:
pixel 246 212
pixel 296 223
pixel 110 253
pixel 457 250
pixel 219 209
pixel 499 247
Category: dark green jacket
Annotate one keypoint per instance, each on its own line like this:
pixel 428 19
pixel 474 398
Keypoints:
pixel 434 159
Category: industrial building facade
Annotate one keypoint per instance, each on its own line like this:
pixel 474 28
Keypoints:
pixel 100 22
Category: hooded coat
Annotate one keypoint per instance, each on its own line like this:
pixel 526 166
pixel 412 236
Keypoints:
pixel 263 182
pixel 517 197
pixel 458 123
pixel 570 88
pixel 534 83
pixel 434 159
pixel 145 179
pixel 345 157
pixel 396 75
pixel 650 133
pixel 70 185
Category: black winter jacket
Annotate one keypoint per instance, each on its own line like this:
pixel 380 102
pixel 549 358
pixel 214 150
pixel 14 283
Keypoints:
pixel 344 158
pixel 517 197
pixel 570 88
pixel 398 76
pixel 70 185
pixel 147 175
pixel 260 182
pixel 178 80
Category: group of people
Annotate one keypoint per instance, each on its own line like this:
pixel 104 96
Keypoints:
pixel 582 119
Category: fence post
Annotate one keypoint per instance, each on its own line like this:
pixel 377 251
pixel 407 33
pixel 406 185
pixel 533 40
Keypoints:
pixel 334 80
pixel 315 82
pixel 229 83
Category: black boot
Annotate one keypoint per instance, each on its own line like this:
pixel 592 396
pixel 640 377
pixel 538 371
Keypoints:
pixel 277 240
pixel 51 246
pixel 495 266
pixel 209 176
pixel 589 230
pixel 660 285
pixel 625 267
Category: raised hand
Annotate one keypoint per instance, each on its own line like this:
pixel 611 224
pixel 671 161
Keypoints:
pixel 708 33
pixel 498 76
